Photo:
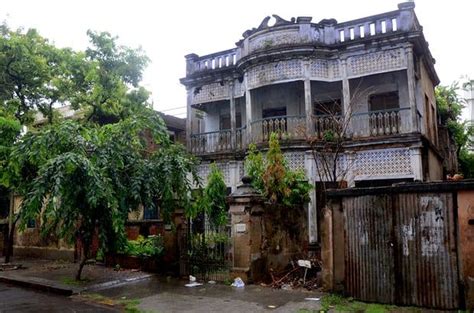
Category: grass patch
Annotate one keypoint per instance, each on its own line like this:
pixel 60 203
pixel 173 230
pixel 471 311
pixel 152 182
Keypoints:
pixel 342 304
pixel 72 282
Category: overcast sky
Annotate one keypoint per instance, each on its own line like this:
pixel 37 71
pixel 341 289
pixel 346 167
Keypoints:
pixel 168 30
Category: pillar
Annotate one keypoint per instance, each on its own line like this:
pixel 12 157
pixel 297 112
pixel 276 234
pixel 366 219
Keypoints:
pixel 308 100
pixel 416 163
pixel 346 94
pixel 312 206
pixel 232 114
pixel 248 111
pixel 411 89
pixel 246 209
pixel 189 116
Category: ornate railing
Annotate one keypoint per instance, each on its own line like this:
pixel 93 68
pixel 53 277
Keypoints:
pixel 214 61
pixel 240 137
pixel 381 123
pixel 210 142
pixel 322 124
pixel 286 127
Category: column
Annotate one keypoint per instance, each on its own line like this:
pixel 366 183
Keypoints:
pixel 307 99
pixel 189 116
pixel 312 206
pixel 416 163
pixel 248 111
pixel 232 114
pixel 411 89
pixel 346 96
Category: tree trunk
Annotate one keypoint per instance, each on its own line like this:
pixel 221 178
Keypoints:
pixel 84 257
pixel 11 229
pixel 81 267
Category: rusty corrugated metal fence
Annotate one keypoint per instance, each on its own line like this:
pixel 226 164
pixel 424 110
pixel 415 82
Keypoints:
pixel 401 248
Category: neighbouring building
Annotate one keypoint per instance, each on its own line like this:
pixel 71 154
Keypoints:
pixel 282 78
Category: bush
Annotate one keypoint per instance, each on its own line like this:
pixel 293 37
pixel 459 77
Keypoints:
pixel 152 246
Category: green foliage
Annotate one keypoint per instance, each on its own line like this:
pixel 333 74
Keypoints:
pixel 449 109
pixel 274 179
pixel 212 199
pixel 255 166
pixel 152 246
pixel 79 178
pixel 448 102
pixel 466 163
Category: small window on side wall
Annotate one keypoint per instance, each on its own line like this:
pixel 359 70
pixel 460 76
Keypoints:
pixel 384 101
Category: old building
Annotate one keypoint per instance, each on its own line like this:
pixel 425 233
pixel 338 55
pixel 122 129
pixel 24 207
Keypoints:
pixel 375 72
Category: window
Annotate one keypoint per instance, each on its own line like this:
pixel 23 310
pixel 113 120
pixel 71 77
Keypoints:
pixel 332 107
pixel 274 112
pixel 150 213
pixel 384 101
pixel 224 121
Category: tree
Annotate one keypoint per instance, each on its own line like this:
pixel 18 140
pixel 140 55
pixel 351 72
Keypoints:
pixel 79 179
pixel 214 197
pixel 450 107
pixel 33 73
pixel 273 178
pixel 107 84
pixel 333 128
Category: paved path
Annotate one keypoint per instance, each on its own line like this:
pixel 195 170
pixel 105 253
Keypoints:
pixel 14 299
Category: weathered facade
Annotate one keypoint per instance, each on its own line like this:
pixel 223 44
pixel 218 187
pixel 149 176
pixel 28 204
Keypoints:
pixel 377 72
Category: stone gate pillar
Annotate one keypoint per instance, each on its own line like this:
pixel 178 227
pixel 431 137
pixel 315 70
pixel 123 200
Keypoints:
pixel 246 209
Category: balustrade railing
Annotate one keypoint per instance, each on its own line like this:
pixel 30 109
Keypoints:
pixel 323 124
pixel 381 123
pixel 211 142
pixel 358 125
pixel 218 60
pixel 285 127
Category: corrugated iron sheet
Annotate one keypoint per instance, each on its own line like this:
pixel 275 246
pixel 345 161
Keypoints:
pixel 426 250
pixel 402 249
pixel 369 255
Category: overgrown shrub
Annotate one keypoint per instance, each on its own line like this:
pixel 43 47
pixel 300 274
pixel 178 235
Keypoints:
pixel 274 179
pixel 151 246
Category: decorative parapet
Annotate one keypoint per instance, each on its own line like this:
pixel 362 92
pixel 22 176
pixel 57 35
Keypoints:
pixel 210 92
pixel 299 32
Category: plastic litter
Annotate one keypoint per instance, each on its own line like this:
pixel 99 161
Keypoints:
pixel 286 287
pixel 192 278
pixel 212 282
pixel 238 282
pixel 193 284
pixel 312 299
pixel 272 306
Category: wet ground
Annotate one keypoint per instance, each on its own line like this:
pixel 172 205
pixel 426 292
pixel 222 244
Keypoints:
pixel 14 299
pixel 170 295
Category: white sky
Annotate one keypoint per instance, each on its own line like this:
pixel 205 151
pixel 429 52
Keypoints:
pixel 168 30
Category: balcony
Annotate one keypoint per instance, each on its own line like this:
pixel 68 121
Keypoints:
pixel 294 129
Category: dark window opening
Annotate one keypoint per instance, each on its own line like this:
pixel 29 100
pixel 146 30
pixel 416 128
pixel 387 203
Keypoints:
pixel 384 101
pixel 224 121
pixel 150 213
pixel 332 107
pixel 274 112
pixel 380 182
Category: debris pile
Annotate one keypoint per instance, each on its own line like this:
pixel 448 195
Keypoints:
pixel 300 274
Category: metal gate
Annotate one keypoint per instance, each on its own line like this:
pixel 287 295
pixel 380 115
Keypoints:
pixel 401 248
pixel 208 252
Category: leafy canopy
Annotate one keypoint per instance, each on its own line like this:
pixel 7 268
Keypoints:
pixel 450 107
pixel 78 178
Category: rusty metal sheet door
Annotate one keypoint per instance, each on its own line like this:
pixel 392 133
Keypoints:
pixel 401 249
pixel 369 257
pixel 426 258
